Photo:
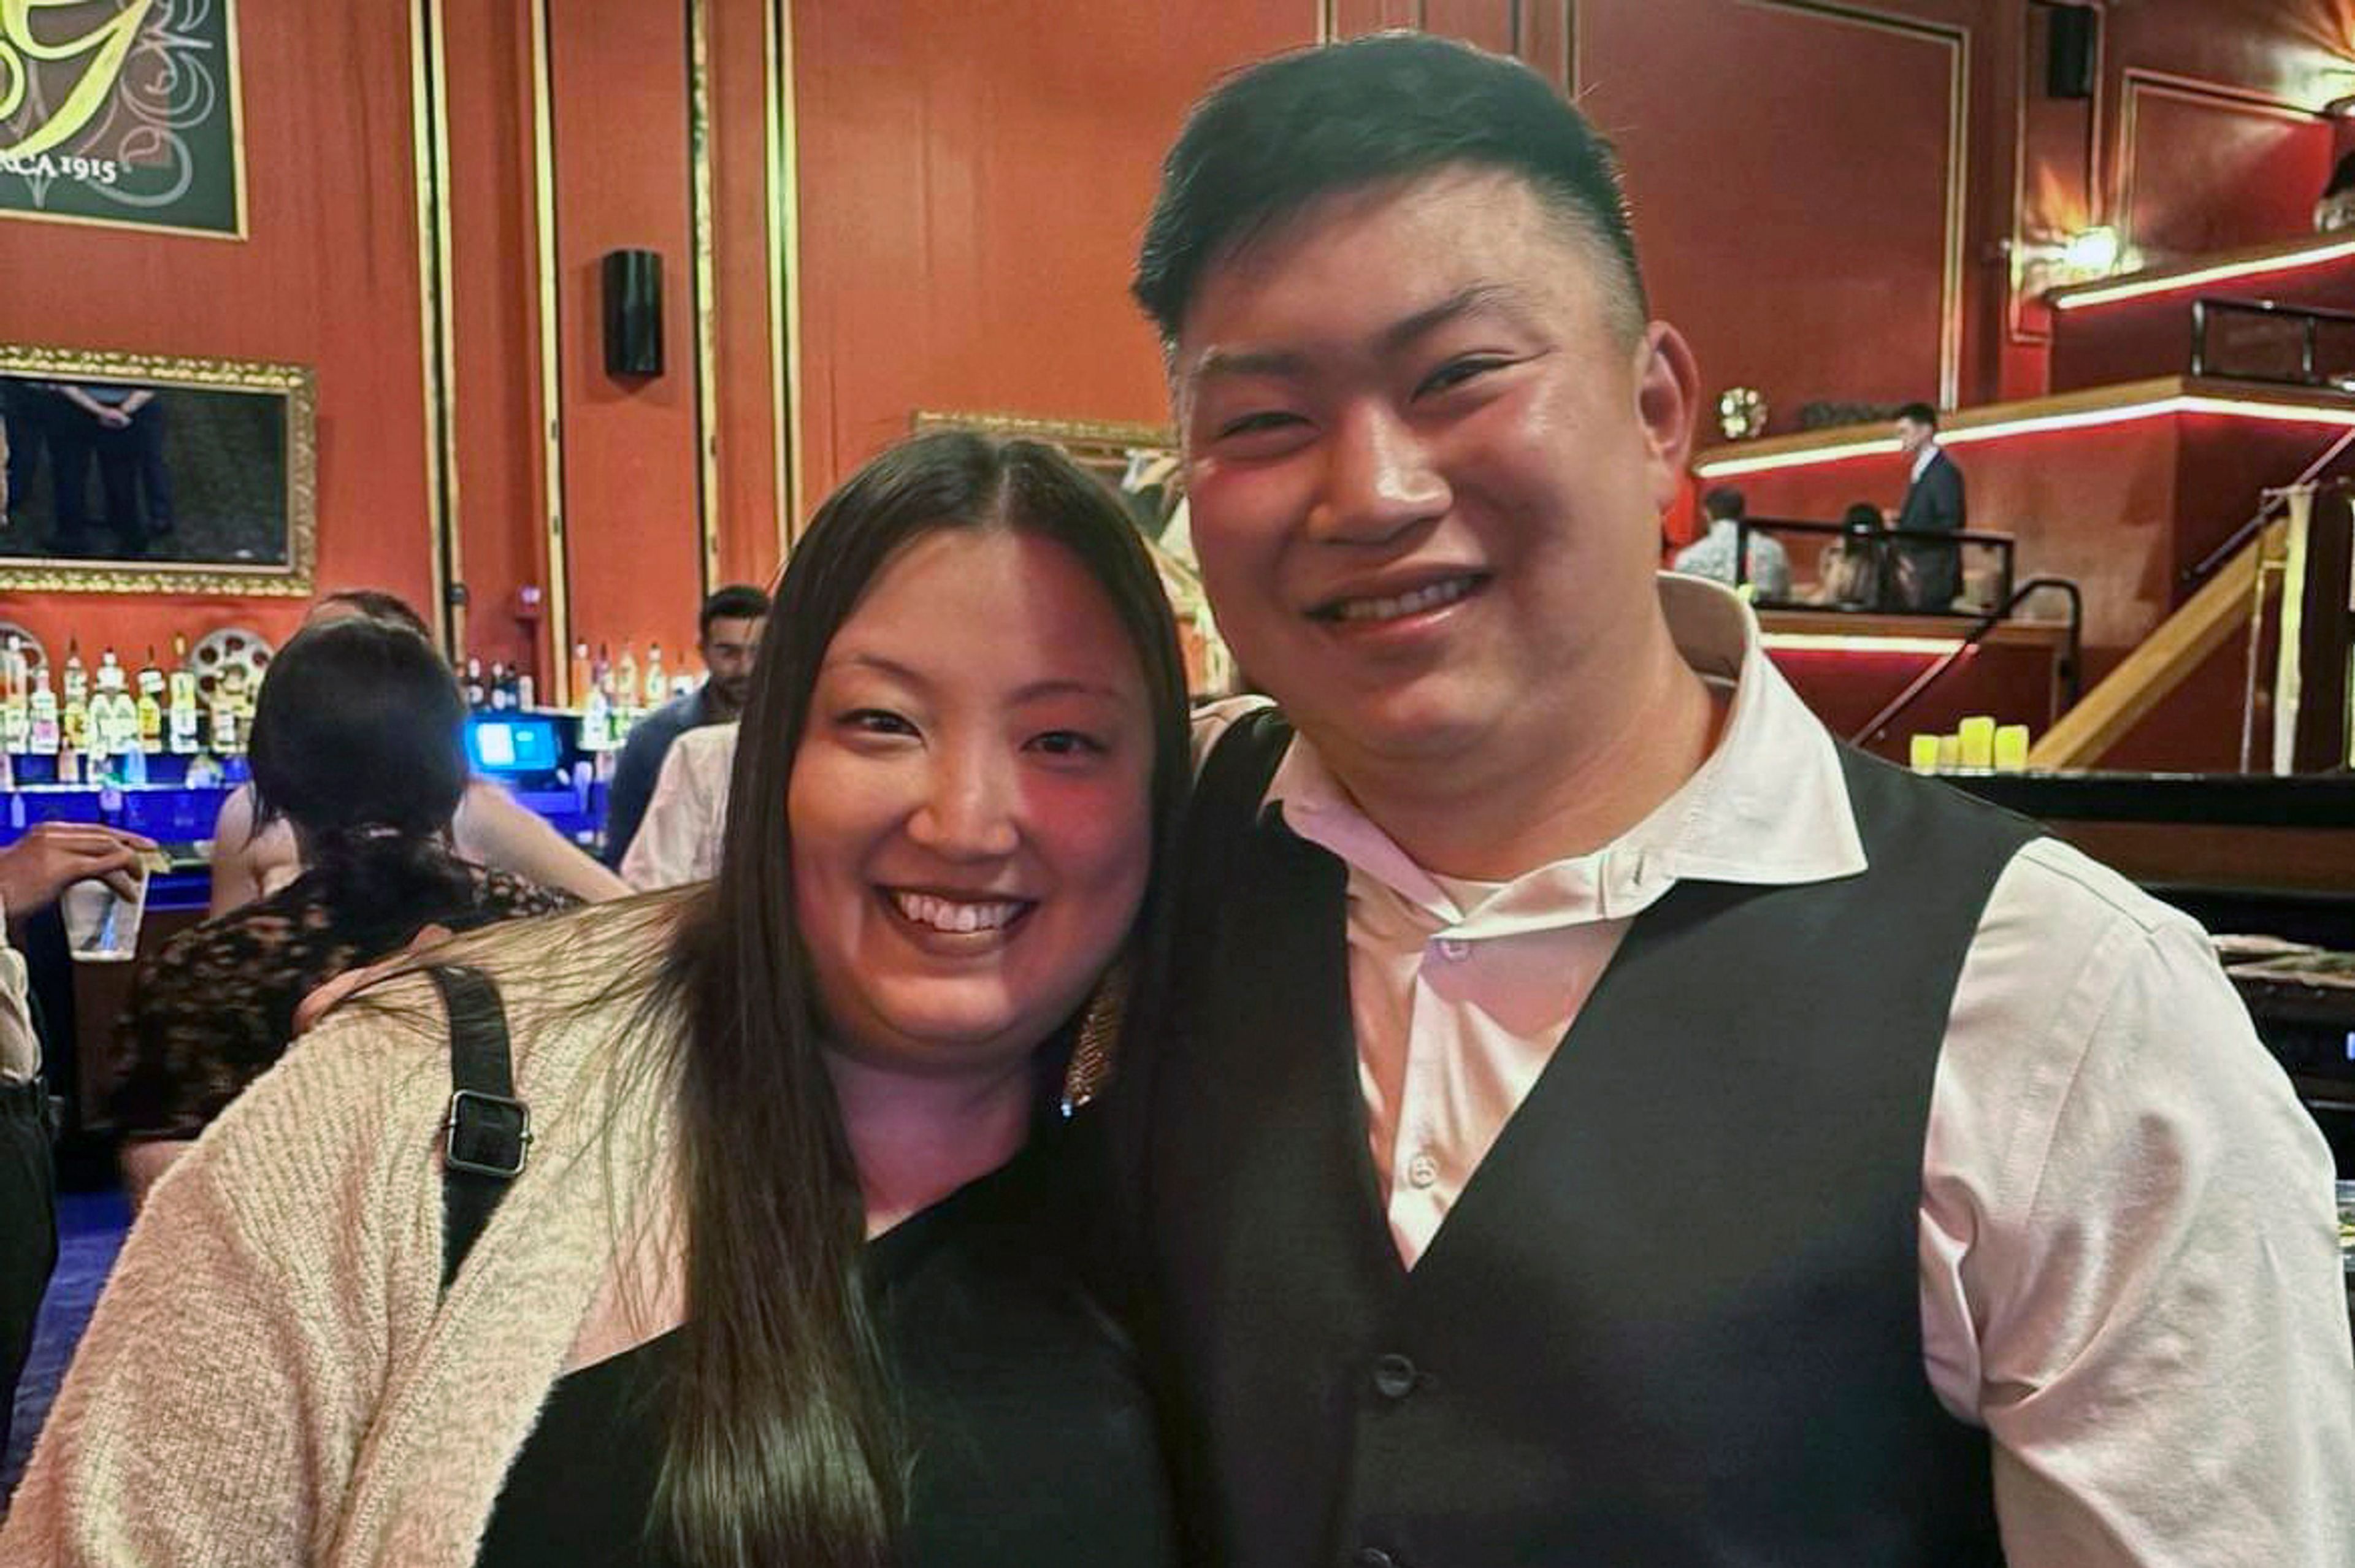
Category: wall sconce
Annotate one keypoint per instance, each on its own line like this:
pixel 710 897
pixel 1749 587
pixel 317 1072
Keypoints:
pixel 2058 261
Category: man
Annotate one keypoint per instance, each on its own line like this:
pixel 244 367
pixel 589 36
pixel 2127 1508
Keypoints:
pixel 1934 504
pixel 678 837
pixel 1593 1117
pixel 1712 555
pixel 34 871
pixel 730 640
pixel 123 428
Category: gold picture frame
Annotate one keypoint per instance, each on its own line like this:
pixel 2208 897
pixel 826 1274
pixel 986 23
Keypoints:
pixel 1106 448
pixel 296 390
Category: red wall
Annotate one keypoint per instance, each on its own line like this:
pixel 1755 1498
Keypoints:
pixel 327 277
pixel 973 179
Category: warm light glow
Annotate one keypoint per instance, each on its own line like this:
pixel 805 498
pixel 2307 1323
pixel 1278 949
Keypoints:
pixel 2091 252
pixel 2036 424
pixel 1828 642
pixel 2170 282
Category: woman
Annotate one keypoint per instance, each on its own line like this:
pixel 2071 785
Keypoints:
pixel 253 859
pixel 357 749
pixel 779 1281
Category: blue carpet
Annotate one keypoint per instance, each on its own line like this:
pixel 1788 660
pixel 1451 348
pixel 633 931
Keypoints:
pixel 89 1233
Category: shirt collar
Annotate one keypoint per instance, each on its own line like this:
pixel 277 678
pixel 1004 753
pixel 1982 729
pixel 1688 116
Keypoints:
pixel 1769 808
pixel 1926 456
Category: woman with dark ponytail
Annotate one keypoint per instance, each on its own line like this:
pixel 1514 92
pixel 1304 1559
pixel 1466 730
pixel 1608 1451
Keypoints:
pixel 357 747
pixel 789 1276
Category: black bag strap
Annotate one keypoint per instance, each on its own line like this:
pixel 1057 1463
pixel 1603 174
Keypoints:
pixel 487 1135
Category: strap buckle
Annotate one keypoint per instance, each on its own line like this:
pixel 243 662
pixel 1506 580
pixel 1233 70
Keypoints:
pixel 494 1132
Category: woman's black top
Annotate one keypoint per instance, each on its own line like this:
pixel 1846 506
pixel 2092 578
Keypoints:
pixel 1032 1438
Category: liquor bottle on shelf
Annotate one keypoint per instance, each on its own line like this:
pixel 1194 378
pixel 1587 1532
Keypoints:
pixel 45 727
pixel 657 690
pixel 625 682
pixel 73 726
pixel 527 691
pixel 183 718
pixel 113 715
pixel 77 679
pixel 15 699
pixel 600 675
pixel 230 712
pixel 596 722
pixel 152 689
pixel 476 700
pixel 580 673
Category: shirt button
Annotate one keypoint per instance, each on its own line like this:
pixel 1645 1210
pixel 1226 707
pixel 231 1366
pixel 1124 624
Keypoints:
pixel 1422 1171
pixel 1393 1377
pixel 1455 949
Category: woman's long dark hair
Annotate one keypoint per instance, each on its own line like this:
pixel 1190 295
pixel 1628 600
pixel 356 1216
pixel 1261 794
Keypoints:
pixel 782 1447
pixel 358 743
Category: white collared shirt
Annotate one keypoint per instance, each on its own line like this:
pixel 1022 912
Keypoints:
pixel 678 838
pixel 1922 461
pixel 2128 1251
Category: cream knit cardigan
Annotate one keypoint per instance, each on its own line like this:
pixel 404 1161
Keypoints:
pixel 274 1375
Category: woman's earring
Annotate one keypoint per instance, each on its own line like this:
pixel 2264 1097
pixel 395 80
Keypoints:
pixel 1091 1065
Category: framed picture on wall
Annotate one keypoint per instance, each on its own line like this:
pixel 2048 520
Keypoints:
pixel 123 113
pixel 1138 463
pixel 139 474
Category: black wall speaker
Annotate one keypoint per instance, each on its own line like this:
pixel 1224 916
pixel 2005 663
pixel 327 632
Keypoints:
pixel 2069 39
pixel 633 312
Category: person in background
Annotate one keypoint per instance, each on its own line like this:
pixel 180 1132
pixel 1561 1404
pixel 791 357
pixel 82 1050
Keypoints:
pixel 33 871
pixel 1934 503
pixel 356 746
pixel 790 1272
pixel 493 829
pixel 678 840
pixel 1857 570
pixel 729 639
pixel 120 429
pixel 1711 555
pixel 1592 1116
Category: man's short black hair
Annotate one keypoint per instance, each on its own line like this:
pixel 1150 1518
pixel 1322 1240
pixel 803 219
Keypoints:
pixel 737 601
pixel 1275 137
pixel 1920 413
pixel 1725 501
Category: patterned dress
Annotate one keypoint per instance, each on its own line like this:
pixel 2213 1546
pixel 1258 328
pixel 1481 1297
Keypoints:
pixel 215 1009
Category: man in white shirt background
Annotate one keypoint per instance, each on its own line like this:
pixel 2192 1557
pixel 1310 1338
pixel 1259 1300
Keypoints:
pixel 1592 1116
pixel 1712 555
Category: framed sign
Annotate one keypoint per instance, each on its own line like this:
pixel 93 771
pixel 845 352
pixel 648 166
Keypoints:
pixel 1138 463
pixel 122 112
pixel 140 474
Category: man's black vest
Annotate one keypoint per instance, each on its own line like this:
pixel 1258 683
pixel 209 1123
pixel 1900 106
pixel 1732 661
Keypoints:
pixel 1674 1320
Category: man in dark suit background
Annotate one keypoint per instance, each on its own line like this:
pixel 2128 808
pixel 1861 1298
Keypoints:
pixel 1934 504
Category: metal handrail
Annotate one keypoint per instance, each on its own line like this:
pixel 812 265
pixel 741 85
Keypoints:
pixel 2073 668
pixel 2197 573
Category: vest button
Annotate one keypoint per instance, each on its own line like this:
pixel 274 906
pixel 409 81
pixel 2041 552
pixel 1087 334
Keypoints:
pixel 1393 1379
pixel 1375 1557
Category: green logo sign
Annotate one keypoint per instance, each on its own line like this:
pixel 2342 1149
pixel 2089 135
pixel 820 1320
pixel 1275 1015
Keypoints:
pixel 120 111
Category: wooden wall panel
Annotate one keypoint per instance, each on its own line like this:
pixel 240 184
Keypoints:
pixel 2204 169
pixel 973 181
pixel 1790 172
pixel 328 278
pixel 633 535
pixel 492 295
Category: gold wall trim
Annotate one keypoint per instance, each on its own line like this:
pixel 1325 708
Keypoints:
pixel 1328 21
pixel 707 337
pixel 295 383
pixel 2139 82
pixel 551 384
pixel 1956 38
pixel 429 107
pixel 785 272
